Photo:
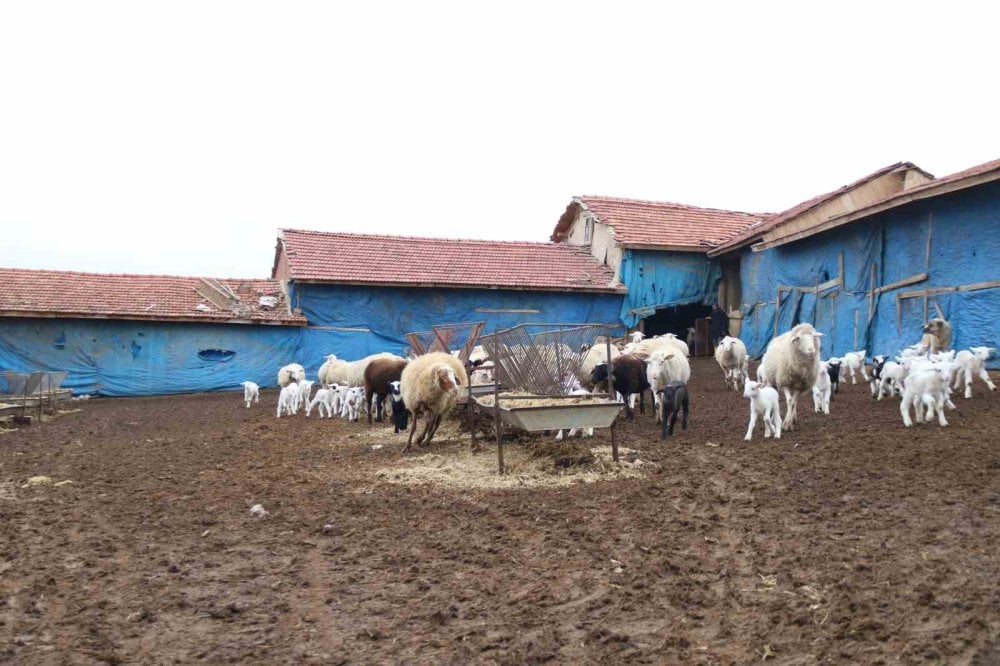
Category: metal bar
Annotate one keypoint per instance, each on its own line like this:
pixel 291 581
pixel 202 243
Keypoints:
pixel 496 417
pixel 611 392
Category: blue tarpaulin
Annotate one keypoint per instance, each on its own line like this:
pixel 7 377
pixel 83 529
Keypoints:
pixel 964 233
pixel 664 279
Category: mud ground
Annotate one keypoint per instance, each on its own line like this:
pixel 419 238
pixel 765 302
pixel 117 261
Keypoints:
pixel 850 540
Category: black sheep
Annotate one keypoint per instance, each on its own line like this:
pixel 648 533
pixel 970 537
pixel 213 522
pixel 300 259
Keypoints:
pixel 833 369
pixel 673 400
pixel 628 374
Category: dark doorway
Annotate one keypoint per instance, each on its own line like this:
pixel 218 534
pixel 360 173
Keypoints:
pixel 677 320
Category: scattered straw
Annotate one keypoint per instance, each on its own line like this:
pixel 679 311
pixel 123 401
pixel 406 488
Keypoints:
pixel 540 401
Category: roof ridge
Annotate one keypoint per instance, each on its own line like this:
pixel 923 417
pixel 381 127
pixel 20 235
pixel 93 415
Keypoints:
pixel 135 275
pixel 669 203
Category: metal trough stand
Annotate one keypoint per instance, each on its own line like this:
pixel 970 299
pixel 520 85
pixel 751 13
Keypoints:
pixel 558 417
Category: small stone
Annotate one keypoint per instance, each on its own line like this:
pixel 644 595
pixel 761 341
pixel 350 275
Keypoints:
pixel 258 511
pixel 327 528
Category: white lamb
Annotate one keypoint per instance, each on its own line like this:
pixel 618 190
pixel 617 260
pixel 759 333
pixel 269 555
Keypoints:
pixel 821 389
pixel 587 432
pixel 288 400
pixel 731 355
pixel 852 362
pixel 791 363
pixel 305 391
pixel 352 401
pixel 764 401
pixel 323 401
pixel 891 382
pixel 662 368
pixel 290 372
pixel 926 387
pixel 973 362
pixel 251 392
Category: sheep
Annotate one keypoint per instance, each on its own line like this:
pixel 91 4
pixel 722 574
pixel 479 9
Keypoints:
pixel 399 412
pixel 970 362
pixel 852 362
pixel 833 370
pixel 587 432
pixel 663 368
pixel 339 397
pixel 628 375
pixel 936 335
pixel 377 376
pixel 791 364
pixel 924 387
pixel 636 336
pixel 878 363
pixel 673 398
pixel 668 342
pixel 290 372
pixel 288 400
pixel 328 365
pixel 597 353
pixel 731 355
pixel 323 400
pixel 251 392
pixel 482 375
pixel 821 389
pixel 681 345
pixel 351 402
pixel 478 356
pixel 761 376
pixel 352 373
pixel 891 378
pixel 764 401
pixel 430 386
pixel 305 389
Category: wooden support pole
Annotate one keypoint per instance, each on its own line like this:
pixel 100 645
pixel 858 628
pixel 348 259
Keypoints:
pixel 840 265
pixel 777 309
pixel 611 393
pixel 871 293
pixel 496 409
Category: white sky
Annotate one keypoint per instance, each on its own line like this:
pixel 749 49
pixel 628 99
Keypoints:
pixel 176 137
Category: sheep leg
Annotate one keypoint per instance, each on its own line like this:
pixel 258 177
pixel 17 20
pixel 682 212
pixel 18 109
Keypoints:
pixel 435 422
pixel 663 427
pixel 942 421
pixel 985 376
pixel 826 401
pixel 768 418
pixel 864 372
pixel 776 423
pixel 753 422
pixel 790 399
pixel 904 409
pixel 559 436
pixel 673 419
pixel 642 402
pixel 413 429
pixel 684 423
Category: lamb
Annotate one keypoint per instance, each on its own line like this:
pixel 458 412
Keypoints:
pixel 937 335
pixel 673 398
pixel 323 400
pixel 854 361
pixel 399 412
pixel 331 362
pixel 791 364
pixel 288 400
pixel 664 368
pixel 290 372
pixel 833 370
pixel 924 387
pixel 305 389
pixel 764 401
pixel 251 392
pixel 636 336
pixel 598 353
pixel 352 373
pixel 628 375
pixel 878 363
pixel 970 362
pixel 731 355
pixel 587 432
pixel 891 379
pixel 430 386
pixel 821 389
pixel 377 376
pixel 352 400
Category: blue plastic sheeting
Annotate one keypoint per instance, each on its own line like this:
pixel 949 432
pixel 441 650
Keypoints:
pixel 663 279
pixel 965 249
pixel 122 358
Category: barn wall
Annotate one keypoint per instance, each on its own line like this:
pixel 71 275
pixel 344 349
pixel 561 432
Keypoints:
pixel 132 358
pixel 385 315
pixel 965 249
pixel 662 279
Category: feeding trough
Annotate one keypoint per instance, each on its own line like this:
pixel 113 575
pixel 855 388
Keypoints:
pixel 540 363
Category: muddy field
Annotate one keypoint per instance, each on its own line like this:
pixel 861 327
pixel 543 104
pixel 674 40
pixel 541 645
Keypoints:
pixel 850 540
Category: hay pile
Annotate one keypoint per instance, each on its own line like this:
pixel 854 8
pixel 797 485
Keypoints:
pixel 467 470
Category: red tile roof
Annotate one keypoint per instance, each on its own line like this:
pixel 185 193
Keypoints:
pixel 659 223
pixel 776 220
pixel 26 292
pixel 315 256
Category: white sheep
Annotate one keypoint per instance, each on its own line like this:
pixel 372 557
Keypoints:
pixel 597 353
pixel 821 389
pixel 323 401
pixel 763 401
pixel 924 387
pixel 731 355
pixel 891 381
pixel 973 362
pixel 791 363
pixel 668 342
pixel 852 362
pixel 430 386
pixel 328 364
pixel 636 336
pixel 351 373
pixel 288 400
pixel 662 368
pixel 251 392
pixel 292 371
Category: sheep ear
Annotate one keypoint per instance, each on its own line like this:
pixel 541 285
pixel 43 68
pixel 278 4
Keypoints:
pixel 668 357
pixel 818 334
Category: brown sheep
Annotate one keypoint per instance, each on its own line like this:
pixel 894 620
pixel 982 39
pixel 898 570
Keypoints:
pixel 378 374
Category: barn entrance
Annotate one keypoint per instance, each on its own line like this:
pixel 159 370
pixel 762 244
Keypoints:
pixel 678 319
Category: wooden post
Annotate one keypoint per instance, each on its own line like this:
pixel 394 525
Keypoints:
pixel 496 409
pixel 777 309
pixel 926 305
pixel 472 414
pixel 611 393
pixel 840 264
pixel 871 293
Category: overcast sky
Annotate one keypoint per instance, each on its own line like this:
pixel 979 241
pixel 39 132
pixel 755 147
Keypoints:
pixel 177 137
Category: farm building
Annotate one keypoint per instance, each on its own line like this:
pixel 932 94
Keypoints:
pixel 867 263
pixel 144 334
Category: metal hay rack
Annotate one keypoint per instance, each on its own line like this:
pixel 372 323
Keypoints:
pixel 20 391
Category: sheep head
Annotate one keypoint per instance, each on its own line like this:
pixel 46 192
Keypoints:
pixel 637 336
pixel 599 373
pixel 446 379
pixel 751 389
pixel 982 352
pixel 806 338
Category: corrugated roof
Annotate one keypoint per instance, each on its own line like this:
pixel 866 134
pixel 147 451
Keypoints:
pixel 659 223
pixel 125 296
pixel 318 256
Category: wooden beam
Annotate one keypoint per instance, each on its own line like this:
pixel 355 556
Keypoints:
pixel 871 293
pixel 992 284
pixel 840 265
pixel 975 286
pixel 913 279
